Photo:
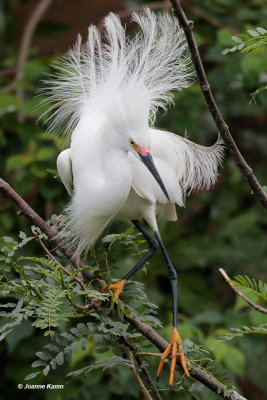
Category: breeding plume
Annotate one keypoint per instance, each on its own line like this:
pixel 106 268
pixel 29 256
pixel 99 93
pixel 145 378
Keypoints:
pixel 106 94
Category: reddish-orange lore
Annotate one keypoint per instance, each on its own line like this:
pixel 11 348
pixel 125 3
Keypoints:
pixel 142 150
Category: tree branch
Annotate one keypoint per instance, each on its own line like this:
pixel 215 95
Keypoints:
pixel 237 157
pixel 136 322
pixel 240 294
pixel 208 18
pixel 26 40
pixel 143 368
pixel 136 375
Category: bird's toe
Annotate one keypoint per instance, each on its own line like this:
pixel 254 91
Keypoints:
pixel 174 346
pixel 117 288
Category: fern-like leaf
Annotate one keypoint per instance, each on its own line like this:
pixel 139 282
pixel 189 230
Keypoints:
pixel 51 311
pixel 242 331
pixel 247 284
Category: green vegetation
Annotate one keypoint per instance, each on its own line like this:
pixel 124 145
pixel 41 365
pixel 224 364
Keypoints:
pixel 42 338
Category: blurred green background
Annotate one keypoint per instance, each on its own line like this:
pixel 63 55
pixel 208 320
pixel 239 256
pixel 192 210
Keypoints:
pixel 225 227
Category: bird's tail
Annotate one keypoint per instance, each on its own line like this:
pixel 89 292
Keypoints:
pixel 156 60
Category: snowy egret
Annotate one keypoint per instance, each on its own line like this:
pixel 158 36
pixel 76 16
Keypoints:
pixel 118 166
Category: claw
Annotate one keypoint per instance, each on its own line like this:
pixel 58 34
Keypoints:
pixel 176 343
pixel 116 287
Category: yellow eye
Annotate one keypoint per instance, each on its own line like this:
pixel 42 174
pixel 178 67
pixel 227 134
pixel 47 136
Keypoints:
pixel 132 143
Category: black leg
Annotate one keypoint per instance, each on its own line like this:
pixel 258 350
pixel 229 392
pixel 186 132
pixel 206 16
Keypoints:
pixel 153 245
pixel 176 342
pixel 172 278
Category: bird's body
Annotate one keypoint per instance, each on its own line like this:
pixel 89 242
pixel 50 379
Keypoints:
pixel 118 165
pixel 140 196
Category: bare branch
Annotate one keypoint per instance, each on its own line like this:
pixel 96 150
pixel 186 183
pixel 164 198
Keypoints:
pixel 26 40
pixel 162 5
pixel 136 375
pixel 208 18
pixel 240 294
pixel 143 368
pixel 237 157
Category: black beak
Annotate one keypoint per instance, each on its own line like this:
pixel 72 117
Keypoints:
pixel 149 163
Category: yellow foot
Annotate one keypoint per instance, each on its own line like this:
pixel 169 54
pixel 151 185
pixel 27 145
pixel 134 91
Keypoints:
pixel 175 344
pixel 116 287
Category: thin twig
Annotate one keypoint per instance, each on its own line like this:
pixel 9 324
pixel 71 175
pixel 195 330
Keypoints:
pixel 79 281
pixel 136 322
pixel 25 45
pixel 144 353
pixel 137 376
pixel 240 294
pixel 165 5
pixel 154 5
pixel 145 372
pixel 223 129
pixel 208 18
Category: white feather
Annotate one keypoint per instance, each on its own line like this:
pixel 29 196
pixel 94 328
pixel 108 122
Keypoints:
pixel 155 60
pixel 195 166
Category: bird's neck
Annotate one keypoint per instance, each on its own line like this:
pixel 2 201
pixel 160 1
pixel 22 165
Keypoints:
pixel 100 166
pixel 118 173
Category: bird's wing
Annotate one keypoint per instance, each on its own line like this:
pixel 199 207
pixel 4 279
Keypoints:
pixel 64 167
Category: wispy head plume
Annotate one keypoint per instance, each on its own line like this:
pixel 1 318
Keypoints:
pixel 156 60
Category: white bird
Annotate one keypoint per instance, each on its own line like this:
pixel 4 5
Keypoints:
pixel 118 165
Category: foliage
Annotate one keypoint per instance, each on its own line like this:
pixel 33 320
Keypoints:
pixel 244 330
pixel 256 39
pixel 223 227
pixel 251 285
pixel 45 297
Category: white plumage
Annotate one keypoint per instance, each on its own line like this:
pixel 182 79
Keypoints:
pixel 107 93
pixel 118 166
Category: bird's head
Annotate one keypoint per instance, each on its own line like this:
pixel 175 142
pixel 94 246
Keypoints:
pixel 144 154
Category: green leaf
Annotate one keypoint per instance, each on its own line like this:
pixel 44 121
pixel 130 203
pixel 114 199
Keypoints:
pixel 43 356
pixel 8 103
pixel 15 162
pixel 31 376
pixel 233 49
pixel 46 370
pixel 104 363
pixel 44 153
pixel 261 30
pixel 22 235
pixel 237 39
pixel 38 363
pixel 60 358
pixel 33 69
pixel 253 33
pixel 235 361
